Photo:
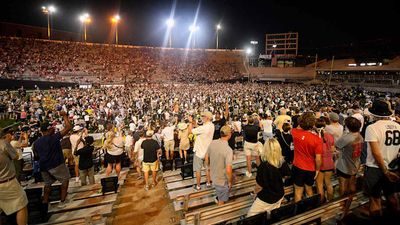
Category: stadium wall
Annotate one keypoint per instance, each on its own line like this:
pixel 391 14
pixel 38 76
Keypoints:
pixel 275 73
pixel 11 84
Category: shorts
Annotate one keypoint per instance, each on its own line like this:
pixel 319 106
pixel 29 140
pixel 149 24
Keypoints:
pixel 375 182
pixel 184 145
pixel 113 158
pixel 251 149
pixel 67 154
pixel 301 177
pixel 198 163
pixel 169 145
pixel 12 197
pixel 222 192
pixel 76 159
pixel 60 173
pixel 150 166
pixel 343 175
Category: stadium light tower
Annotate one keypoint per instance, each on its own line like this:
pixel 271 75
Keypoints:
pixel 85 19
pixel 170 24
pixel 115 20
pixel 254 43
pixel 48 11
pixel 193 29
pixel 219 27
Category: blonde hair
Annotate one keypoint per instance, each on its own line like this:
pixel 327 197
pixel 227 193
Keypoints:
pixel 272 153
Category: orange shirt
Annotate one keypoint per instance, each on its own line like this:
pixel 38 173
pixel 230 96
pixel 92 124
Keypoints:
pixel 306 146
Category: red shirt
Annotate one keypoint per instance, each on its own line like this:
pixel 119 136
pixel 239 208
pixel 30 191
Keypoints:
pixel 306 146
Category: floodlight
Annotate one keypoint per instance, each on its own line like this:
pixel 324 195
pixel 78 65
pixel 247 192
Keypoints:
pixel 193 28
pixel 52 9
pixel 248 51
pixel 170 22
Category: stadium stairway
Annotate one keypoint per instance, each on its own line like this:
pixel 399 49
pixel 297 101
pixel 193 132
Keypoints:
pixel 134 205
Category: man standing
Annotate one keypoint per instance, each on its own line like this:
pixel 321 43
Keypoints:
pixel 251 146
pixel 204 135
pixel 151 154
pixel 383 138
pixel 167 135
pixel 12 195
pixel 220 122
pixel 307 156
pixel 51 159
pixel 219 158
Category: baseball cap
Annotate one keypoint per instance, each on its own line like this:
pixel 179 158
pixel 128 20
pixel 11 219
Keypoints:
pixel 77 128
pixel 334 117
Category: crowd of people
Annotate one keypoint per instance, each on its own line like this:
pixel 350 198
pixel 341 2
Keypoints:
pixel 76 61
pixel 297 132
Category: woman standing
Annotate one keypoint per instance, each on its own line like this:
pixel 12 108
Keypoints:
pixel 349 146
pixel 114 145
pixel 270 174
pixel 183 137
pixel 327 166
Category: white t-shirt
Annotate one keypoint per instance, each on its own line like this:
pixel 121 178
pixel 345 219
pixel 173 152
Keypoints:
pixel 128 141
pixel 237 125
pixel 117 146
pixel 266 125
pixel 204 135
pixel 360 118
pixel 138 148
pixel 87 118
pixel 132 127
pixel 335 130
pixel 387 134
pixel 168 133
pixel 74 140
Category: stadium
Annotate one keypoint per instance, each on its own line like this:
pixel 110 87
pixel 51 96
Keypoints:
pixel 216 116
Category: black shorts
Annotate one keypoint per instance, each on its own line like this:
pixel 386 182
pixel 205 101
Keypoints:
pixel 375 182
pixel 113 158
pixel 341 174
pixel 301 177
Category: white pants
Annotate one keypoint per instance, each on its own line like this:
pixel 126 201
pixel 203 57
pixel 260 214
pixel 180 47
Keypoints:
pixel 260 206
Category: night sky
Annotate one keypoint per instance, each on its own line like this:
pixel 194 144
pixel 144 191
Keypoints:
pixel 320 24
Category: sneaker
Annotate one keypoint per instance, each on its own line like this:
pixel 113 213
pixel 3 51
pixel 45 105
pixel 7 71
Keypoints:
pixel 186 162
pixel 216 200
pixel 197 187
pixel 208 185
pixel 248 174
pixel 76 179
pixel 146 188
pixel 62 205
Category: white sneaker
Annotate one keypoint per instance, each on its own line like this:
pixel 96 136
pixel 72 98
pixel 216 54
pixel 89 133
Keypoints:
pixel 208 185
pixel 76 179
pixel 62 205
pixel 248 174
pixel 196 187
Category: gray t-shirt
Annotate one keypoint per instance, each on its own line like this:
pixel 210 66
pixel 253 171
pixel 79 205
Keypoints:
pixel 349 146
pixel 7 154
pixel 220 155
